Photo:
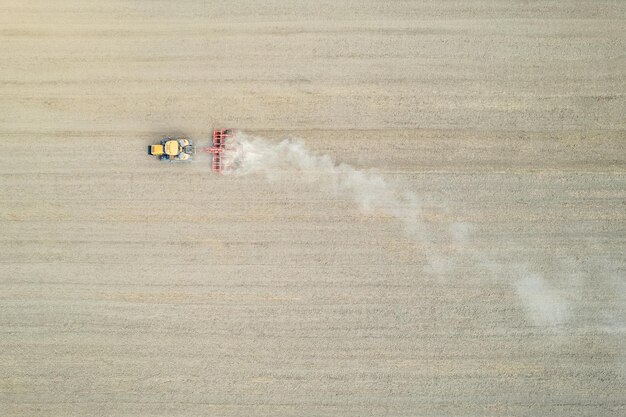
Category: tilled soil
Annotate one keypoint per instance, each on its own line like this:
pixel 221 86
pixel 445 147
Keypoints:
pixel 133 287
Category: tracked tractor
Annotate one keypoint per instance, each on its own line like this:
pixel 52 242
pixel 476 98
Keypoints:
pixel 173 149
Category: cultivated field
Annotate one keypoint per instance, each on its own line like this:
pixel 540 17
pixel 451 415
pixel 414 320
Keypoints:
pixel 471 262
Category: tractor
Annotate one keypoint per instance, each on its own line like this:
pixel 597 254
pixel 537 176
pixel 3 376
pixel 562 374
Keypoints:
pixel 182 149
pixel 173 149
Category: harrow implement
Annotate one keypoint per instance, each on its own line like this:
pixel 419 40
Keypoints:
pixel 220 137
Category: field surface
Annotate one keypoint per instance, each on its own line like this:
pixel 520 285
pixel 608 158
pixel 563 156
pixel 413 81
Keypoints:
pixel 129 287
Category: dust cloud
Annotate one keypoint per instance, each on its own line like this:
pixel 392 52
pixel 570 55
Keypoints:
pixel 544 304
pixel 246 154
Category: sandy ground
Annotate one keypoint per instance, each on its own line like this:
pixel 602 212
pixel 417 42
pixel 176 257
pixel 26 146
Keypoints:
pixel 130 287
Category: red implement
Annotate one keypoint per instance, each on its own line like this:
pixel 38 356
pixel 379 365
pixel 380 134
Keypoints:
pixel 219 144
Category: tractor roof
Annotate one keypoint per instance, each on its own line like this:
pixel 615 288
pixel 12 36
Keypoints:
pixel 172 147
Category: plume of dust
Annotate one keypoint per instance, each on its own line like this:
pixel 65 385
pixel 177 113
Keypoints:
pixel 246 155
pixel 544 304
pixel 289 159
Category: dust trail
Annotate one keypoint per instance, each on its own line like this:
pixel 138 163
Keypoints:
pixel 544 305
pixel 289 158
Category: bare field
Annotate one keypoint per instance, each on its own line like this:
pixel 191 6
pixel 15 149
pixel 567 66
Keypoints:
pixel 493 285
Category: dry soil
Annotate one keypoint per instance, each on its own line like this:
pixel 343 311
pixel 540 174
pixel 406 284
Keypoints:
pixel 130 287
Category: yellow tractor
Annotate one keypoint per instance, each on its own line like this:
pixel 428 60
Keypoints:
pixel 173 149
